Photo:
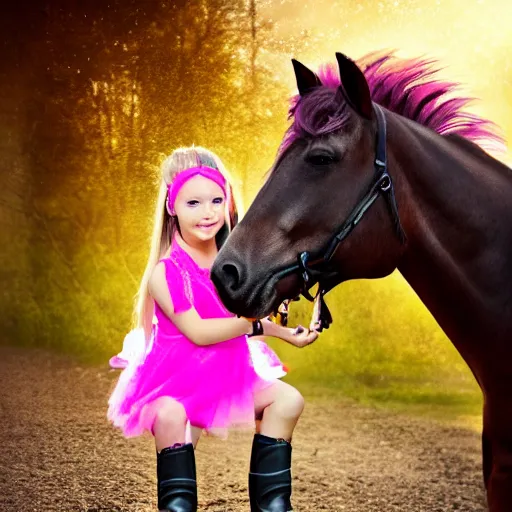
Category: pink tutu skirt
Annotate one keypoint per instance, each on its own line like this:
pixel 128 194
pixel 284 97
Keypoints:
pixel 215 383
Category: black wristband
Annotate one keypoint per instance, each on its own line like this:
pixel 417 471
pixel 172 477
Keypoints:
pixel 257 328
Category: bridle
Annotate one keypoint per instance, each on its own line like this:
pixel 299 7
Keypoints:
pixel 309 263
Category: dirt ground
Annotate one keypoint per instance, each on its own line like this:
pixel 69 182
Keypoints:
pixel 60 454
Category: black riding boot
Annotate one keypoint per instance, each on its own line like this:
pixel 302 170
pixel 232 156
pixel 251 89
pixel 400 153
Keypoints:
pixel 176 475
pixel 270 478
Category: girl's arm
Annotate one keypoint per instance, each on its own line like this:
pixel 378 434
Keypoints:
pixel 198 330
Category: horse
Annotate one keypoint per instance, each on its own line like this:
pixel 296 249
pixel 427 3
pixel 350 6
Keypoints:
pixel 383 168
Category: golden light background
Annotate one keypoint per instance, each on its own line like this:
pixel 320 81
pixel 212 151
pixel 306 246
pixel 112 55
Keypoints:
pixel 472 39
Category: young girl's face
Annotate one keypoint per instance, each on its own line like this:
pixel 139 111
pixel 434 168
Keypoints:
pixel 199 207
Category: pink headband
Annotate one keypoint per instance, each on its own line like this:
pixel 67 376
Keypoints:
pixel 183 176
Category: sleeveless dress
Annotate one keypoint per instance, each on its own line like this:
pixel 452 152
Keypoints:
pixel 214 383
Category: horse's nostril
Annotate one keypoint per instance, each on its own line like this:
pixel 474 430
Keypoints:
pixel 231 276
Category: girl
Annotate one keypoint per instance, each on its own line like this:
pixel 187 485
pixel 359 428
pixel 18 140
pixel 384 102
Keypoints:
pixel 197 368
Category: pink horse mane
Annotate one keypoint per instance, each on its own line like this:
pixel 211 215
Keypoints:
pixel 404 86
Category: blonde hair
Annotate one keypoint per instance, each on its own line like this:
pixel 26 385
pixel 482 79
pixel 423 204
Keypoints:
pixel 164 225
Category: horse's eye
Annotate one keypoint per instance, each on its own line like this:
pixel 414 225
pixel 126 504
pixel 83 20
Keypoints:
pixel 320 159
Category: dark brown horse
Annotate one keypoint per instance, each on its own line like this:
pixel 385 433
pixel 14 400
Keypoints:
pixel 379 171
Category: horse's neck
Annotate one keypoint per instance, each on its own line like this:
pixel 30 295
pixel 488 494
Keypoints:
pixel 455 203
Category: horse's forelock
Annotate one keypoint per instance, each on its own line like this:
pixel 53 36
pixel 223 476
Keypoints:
pixel 319 112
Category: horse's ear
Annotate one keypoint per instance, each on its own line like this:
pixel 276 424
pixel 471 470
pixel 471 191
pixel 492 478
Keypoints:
pixel 354 86
pixel 306 79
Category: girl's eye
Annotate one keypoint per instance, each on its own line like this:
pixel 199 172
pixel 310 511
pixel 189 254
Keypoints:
pixel 218 200
pixel 193 202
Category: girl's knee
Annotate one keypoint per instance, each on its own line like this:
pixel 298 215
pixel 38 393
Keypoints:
pixel 290 402
pixel 169 412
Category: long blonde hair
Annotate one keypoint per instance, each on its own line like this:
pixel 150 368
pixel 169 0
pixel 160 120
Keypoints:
pixel 165 225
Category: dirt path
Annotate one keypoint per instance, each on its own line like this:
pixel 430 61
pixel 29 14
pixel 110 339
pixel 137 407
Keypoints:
pixel 60 454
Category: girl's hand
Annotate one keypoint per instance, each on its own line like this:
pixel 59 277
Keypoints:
pixel 301 337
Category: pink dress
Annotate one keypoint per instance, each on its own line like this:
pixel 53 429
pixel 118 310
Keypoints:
pixel 214 383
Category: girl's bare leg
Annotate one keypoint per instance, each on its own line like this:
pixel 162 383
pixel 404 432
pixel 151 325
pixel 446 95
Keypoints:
pixel 280 406
pixel 170 422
